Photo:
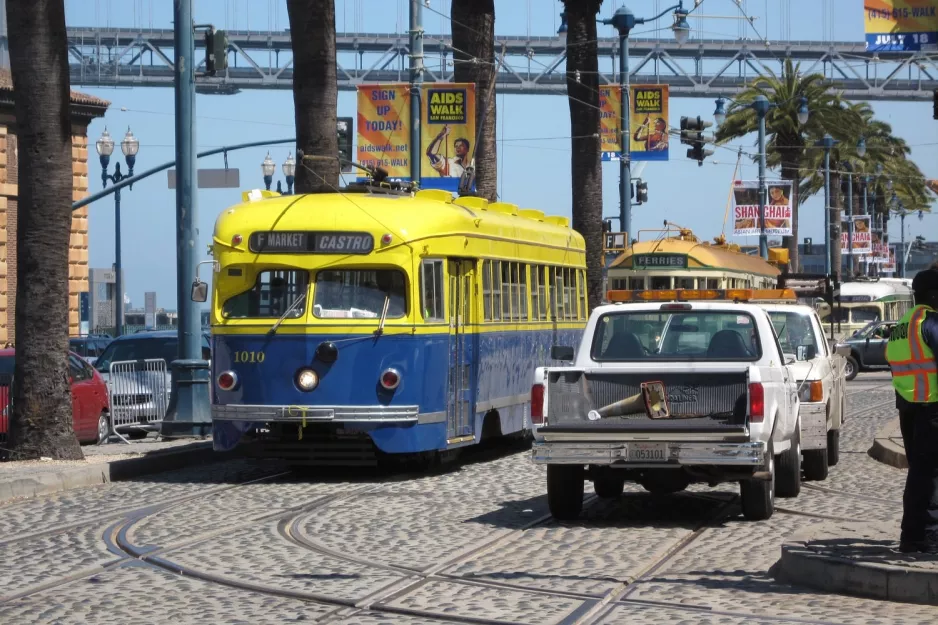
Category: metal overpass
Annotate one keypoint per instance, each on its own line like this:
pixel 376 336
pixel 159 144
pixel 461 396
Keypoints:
pixel 126 57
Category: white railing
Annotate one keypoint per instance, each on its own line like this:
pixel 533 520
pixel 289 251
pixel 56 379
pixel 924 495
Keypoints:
pixel 138 395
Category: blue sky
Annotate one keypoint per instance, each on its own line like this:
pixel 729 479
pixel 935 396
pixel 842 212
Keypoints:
pixel 534 158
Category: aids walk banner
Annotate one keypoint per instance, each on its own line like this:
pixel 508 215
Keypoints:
pixel 900 25
pixel 609 115
pixel 862 236
pixel 746 208
pixel 384 128
pixel 448 134
pixel 648 123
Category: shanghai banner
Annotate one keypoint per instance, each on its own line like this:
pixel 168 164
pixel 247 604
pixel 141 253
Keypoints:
pixel 862 237
pixel 448 134
pixel 648 123
pixel 384 128
pixel 746 208
pixel 609 114
pixel 900 25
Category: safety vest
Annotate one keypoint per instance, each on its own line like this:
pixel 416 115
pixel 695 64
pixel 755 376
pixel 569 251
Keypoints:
pixel 914 370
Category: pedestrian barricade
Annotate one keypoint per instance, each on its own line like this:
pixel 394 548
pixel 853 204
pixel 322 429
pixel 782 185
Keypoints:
pixel 138 395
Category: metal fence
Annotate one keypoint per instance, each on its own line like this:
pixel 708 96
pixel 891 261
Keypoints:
pixel 139 396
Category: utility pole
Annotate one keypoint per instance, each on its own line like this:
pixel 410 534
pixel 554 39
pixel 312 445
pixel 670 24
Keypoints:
pixel 416 78
pixel 827 142
pixel 189 413
pixel 849 169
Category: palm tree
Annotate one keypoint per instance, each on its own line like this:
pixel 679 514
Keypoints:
pixel 786 139
pixel 473 26
pixel 41 423
pixel 585 163
pixel 315 93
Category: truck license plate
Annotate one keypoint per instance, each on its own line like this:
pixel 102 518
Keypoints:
pixel 648 452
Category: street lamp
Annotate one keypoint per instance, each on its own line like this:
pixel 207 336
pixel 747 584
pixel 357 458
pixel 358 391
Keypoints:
pixel 827 142
pixel 562 31
pixel 268 167
pixel 289 172
pixel 623 20
pixel 761 105
pixel 105 147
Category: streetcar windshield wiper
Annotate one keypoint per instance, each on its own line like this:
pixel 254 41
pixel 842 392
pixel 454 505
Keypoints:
pixel 273 328
pixel 384 314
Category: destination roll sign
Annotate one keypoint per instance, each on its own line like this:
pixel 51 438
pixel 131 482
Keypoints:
pixel 311 242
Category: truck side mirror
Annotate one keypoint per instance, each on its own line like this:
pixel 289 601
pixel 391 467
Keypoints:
pixel 807 352
pixel 199 291
pixel 561 352
pixel 842 350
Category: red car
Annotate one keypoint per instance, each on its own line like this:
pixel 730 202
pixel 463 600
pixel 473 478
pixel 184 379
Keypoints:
pixel 89 397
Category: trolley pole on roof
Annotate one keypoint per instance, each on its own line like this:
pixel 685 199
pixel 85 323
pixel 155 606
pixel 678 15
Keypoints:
pixel 189 413
pixel 416 78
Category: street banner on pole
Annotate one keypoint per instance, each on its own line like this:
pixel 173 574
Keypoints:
pixel 448 134
pixel 879 255
pixel 383 128
pixel 900 25
pixel 609 116
pixel 862 237
pixel 890 265
pixel 746 208
pixel 648 122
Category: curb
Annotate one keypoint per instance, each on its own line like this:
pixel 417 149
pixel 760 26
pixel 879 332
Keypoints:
pixel 802 567
pixel 885 450
pixel 44 483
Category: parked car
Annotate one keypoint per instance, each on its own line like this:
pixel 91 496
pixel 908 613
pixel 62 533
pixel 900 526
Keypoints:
pixel 139 401
pixel 867 348
pixel 89 347
pixel 89 397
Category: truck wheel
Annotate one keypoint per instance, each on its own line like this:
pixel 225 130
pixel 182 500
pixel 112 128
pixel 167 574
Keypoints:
pixel 758 497
pixel 565 490
pixel 833 447
pixel 851 369
pixel 815 464
pixel 608 484
pixel 788 483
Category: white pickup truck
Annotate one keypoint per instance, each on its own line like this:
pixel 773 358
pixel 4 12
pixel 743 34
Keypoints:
pixel 732 406
pixel 819 372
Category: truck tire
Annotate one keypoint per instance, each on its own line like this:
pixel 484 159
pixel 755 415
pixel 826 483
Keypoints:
pixel 851 369
pixel 758 497
pixel 565 490
pixel 788 468
pixel 609 483
pixel 833 447
pixel 815 465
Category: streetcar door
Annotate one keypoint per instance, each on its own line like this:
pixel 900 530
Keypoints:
pixel 460 404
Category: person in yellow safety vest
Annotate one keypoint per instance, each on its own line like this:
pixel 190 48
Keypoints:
pixel 912 353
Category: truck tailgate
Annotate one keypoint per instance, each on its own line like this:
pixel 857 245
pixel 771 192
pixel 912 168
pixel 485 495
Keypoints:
pixel 699 402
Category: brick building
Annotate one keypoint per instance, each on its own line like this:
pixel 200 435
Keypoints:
pixel 84 109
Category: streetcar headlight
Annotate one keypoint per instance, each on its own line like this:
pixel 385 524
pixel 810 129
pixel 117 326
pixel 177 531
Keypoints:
pixel 227 380
pixel 306 379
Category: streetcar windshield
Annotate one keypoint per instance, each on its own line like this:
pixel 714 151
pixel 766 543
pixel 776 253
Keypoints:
pixel 359 294
pixel 864 314
pixel 270 297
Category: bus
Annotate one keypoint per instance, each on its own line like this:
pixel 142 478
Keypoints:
pixel 349 327
pixel 677 259
pixel 864 301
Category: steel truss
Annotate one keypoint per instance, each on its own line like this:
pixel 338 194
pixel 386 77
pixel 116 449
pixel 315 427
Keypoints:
pixel 527 65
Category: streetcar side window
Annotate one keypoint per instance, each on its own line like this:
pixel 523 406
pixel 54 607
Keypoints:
pixel 491 290
pixel 273 293
pixel 538 293
pixel 584 307
pixel 431 290
pixel 507 288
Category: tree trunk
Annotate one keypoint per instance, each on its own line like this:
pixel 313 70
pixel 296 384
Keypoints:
pixel 473 26
pixel 41 423
pixel 790 172
pixel 585 164
pixel 837 202
pixel 315 93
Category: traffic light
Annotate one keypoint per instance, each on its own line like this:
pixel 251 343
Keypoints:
pixel 344 128
pixel 641 191
pixel 808 246
pixel 692 134
pixel 607 225
pixel 216 50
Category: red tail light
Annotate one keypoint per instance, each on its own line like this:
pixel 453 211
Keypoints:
pixel 537 404
pixel 390 379
pixel 756 403
pixel 227 380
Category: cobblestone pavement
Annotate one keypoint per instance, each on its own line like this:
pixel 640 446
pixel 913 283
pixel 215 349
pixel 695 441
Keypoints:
pixel 241 542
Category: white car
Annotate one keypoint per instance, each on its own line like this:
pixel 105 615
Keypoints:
pixel 732 404
pixel 819 372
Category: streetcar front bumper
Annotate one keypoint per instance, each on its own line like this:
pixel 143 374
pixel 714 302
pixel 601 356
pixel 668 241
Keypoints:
pixel 674 453
pixel 400 415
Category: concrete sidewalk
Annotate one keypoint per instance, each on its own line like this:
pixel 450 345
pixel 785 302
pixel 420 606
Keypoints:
pixel 112 462
pixel 888 447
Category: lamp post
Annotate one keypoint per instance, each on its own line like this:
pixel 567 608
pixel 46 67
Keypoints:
pixel 105 147
pixel 848 167
pixel 623 20
pixel 761 106
pixel 268 167
pixel 866 212
pixel 827 142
